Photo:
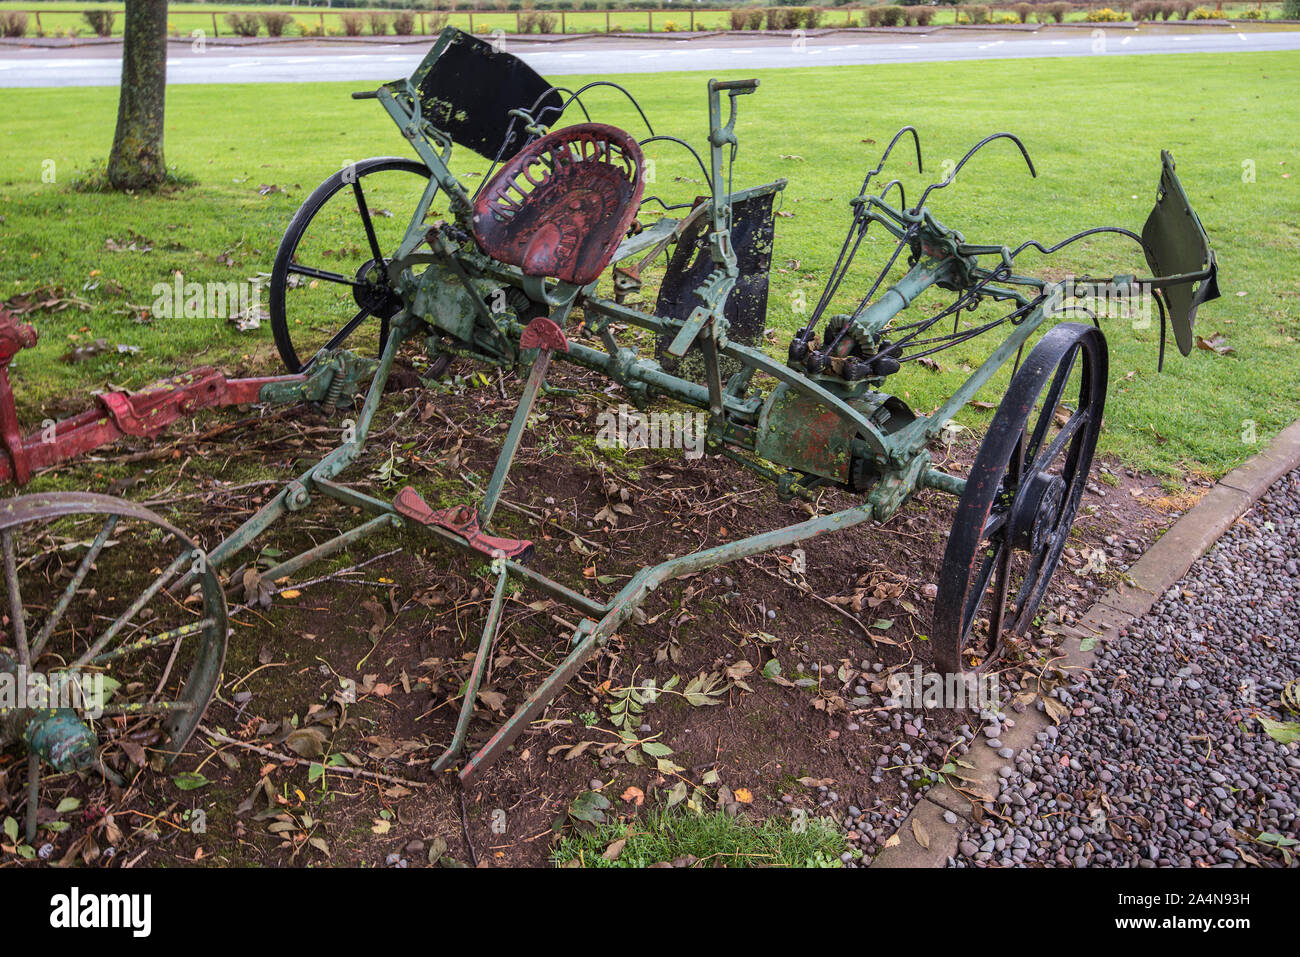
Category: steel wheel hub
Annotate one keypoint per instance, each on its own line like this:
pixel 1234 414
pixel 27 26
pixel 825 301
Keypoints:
pixel 372 291
pixel 1036 511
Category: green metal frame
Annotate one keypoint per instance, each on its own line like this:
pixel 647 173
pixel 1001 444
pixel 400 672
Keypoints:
pixel 445 281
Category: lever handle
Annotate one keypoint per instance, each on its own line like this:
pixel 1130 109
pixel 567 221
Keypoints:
pixel 736 87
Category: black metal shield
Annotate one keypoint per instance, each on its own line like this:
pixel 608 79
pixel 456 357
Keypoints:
pixel 752 229
pixel 468 87
pixel 1176 245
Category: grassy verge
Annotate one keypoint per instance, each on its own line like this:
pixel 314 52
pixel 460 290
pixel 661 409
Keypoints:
pixel 713 840
pixel 1095 127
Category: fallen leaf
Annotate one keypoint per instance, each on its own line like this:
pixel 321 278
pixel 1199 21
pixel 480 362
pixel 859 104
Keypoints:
pixel 811 782
pixel 1216 344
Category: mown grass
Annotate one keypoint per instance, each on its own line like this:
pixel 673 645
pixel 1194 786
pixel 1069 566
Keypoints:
pixel 715 840
pixel 1094 126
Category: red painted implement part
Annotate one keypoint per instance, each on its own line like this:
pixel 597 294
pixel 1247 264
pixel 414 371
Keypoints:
pixel 460 520
pixel 143 414
pixel 561 206
pixel 543 333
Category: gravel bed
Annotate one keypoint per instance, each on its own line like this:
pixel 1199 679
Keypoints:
pixel 1166 767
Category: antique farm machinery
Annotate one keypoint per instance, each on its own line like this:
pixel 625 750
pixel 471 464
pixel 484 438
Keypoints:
pixel 498 281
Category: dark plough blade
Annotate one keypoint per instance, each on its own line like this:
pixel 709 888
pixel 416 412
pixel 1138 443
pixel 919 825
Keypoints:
pixel 752 230
pixel 1176 247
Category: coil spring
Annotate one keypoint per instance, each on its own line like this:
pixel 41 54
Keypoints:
pixel 335 391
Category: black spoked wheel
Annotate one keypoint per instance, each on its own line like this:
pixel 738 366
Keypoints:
pixel 329 285
pixel 1021 497
pixel 126 667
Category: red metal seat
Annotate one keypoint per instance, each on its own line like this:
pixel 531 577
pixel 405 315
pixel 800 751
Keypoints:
pixel 560 207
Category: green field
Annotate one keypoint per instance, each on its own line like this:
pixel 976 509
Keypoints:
pixel 58 19
pixel 1094 127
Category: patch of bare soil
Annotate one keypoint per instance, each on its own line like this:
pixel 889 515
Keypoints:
pixel 338 696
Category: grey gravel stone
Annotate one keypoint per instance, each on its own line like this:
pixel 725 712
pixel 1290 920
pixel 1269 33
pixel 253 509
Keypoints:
pixel 1124 780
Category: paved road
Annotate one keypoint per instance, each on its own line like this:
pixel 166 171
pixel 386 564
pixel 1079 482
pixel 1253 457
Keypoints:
pixel 100 66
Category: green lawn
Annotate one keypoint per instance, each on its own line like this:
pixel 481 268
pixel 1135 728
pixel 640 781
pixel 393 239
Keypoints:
pixel 714 840
pixel 1094 126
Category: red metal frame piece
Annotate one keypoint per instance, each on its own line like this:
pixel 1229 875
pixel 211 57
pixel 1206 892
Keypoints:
pixel 460 520
pixel 143 414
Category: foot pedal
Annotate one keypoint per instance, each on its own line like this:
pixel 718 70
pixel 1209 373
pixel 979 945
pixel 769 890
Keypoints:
pixel 460 520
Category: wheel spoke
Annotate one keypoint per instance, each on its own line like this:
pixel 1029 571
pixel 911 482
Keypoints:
pixel 997 612
pixel 996 521
pixel 1059 441
pixel 144 644
pixel 339 337
pixel 1047 560
pixel 61 608
pixel 365 219
pixel 15 599
pixel 147 707
pixel 978 587
pixel 145 597
pixel 1027 586
pixel 323 274
pixel 1051 401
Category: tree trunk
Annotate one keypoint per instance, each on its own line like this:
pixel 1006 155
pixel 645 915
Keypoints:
pixel 137 158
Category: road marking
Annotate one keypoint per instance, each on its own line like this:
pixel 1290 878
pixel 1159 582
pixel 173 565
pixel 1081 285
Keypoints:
pixel 1125 41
